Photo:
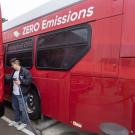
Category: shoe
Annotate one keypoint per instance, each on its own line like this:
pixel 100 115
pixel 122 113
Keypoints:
pixel 21 126
pixel 13 123
pixel 18 124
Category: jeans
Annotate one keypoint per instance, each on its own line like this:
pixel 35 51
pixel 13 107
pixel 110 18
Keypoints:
pixel 20 114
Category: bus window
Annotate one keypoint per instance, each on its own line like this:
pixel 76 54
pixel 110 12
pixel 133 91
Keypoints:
pixel 22 50
pixel 62 49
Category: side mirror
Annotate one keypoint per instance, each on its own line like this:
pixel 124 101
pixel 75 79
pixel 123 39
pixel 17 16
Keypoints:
pixel 2 109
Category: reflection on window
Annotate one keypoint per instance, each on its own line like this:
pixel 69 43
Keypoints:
pixel 22 50
pixel 62 49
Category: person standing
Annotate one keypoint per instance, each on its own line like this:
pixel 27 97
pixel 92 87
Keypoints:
pixel 20 79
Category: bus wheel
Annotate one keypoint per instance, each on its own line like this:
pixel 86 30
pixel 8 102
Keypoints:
pixel 33 104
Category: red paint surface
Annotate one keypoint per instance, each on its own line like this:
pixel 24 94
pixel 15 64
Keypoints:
pixel 101 86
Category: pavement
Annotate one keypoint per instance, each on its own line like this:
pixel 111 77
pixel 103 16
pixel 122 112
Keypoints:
pixel 46 126
pixel 4 130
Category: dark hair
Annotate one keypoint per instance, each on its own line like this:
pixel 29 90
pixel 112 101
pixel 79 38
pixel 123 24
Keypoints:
pixel 15 61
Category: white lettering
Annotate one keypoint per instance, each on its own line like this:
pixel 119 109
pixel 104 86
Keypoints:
pixel 70 17
pixel 44 26
pixel 59 20
pixel 31 28
pixel 90 11
pixel 50 23
pixel 77 124
pixel 64 19
pixel 36 27
pixel 74 16
pixel 82 14
pixel 69 14
pixel 24 31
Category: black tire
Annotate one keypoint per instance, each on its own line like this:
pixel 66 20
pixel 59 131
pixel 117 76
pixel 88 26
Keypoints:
pixel 33 104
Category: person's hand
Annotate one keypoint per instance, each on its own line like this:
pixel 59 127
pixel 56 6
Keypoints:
pixel 17 82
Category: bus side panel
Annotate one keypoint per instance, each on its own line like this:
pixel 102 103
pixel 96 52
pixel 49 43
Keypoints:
pixel 128 35
pixel 128 91
pixel 101 9
pixel 127 52
pixel 1 71
pixel 127 56
pixel 97 100
pixel 55 94
pixel 94 96
pixel 103 56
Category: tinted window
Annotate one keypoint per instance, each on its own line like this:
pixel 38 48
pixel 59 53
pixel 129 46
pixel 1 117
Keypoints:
pixel 22 50
pixel 62 49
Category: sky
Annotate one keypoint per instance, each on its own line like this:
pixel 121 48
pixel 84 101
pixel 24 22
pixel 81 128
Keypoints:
pixel 14 8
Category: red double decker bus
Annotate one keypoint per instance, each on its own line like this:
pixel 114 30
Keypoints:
pixel 1 71
pixel 82 58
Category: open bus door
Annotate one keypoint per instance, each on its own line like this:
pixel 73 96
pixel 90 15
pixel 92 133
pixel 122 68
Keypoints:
pixel 1 71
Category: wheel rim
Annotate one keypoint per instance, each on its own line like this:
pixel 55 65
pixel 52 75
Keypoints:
pixel 31 103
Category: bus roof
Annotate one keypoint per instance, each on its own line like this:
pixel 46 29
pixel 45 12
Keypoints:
pixel 42 10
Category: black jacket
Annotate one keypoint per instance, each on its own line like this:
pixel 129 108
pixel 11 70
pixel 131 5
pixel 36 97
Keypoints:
pixel 25 78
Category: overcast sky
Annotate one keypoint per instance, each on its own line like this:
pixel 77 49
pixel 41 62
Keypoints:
pixel 13 8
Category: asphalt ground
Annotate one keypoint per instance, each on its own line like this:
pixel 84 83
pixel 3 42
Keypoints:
pixel 46 126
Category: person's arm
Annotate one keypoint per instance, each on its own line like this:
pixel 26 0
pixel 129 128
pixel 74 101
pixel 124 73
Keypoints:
pixel 27 78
